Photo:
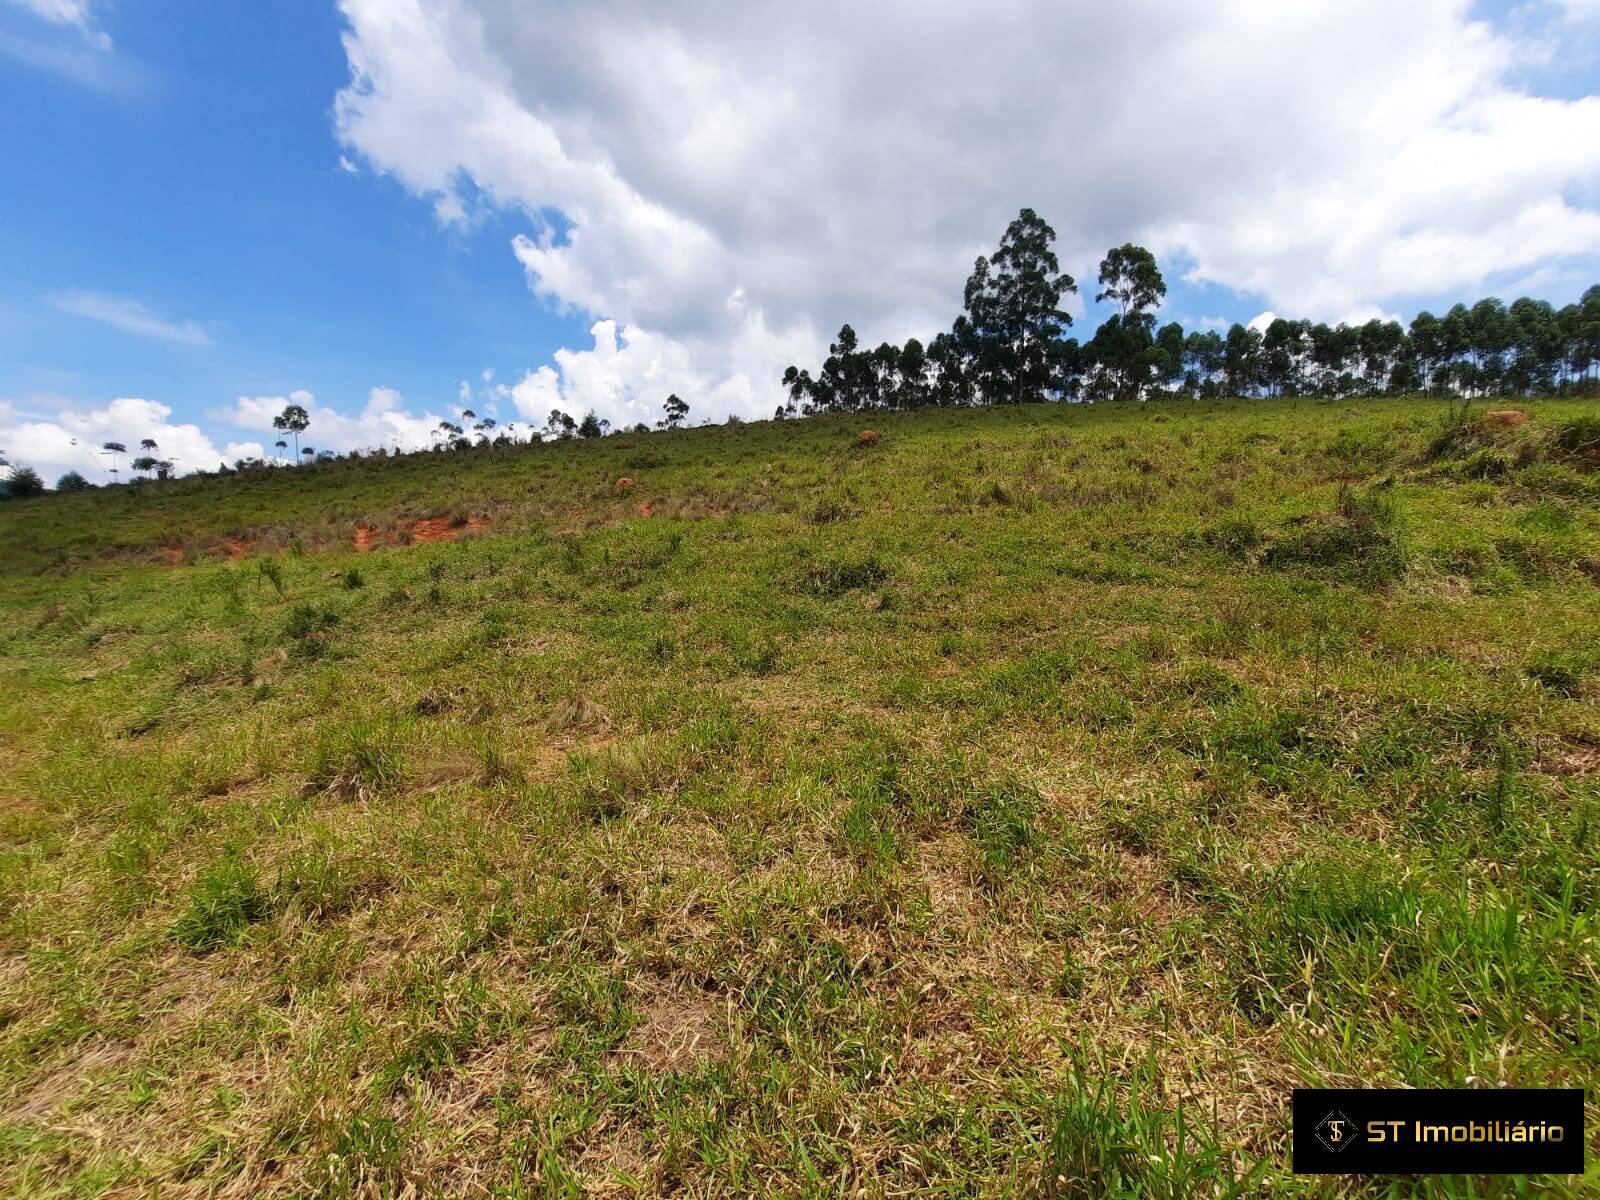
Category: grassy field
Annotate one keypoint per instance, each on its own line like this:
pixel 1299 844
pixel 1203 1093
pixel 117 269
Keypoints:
pixel 1020 805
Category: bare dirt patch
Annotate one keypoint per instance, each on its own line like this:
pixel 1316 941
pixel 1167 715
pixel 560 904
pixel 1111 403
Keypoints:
pixel 1572 758
pixel 678 1028
pixel 428 529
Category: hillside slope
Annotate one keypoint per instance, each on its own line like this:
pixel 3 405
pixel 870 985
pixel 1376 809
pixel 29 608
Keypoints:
pixel 805 817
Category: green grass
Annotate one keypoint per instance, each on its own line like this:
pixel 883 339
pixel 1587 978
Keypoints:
pixel 1021 805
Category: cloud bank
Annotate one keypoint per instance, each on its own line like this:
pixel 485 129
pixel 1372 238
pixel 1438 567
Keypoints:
pixel 718 187
pixel 69 439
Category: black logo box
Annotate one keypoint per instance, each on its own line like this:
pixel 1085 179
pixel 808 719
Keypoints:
pixel 1344 1131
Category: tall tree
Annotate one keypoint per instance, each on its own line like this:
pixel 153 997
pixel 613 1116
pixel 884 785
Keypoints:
pixel 294 419
pixel 1205 362
pixel 675 411
pixel 1130 279
pixel 1242 360
pixel 1013 302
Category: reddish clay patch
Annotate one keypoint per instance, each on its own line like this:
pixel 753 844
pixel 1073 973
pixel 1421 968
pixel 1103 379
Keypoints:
pixel 868 437
pixel 171 556
pixel 239 547
pixel 429 529
pixel 625 484
pixel 645 510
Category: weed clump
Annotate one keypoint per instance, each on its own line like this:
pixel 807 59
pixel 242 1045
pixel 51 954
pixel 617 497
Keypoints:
pixel 1578 442
pixel 1561 671
pixel 1358 542
pixel 226 900
pixel 358 761
pixel 838 576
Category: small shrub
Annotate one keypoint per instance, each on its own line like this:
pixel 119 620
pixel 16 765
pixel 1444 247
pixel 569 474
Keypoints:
pixel 353 580
pixel 22 483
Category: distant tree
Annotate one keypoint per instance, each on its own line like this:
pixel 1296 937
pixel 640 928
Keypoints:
pixel 951 356
pixel 166 469
pixel 1130 279
pixel 1013 302
pixel 72 481
pixel 589 427
pixel 912 372
pixel 1241 361
pixel 560 425
pixel 1167 356
pixel 145 464
pixel 674 411
pixel 309 453
pixel 148 445
pixel 843 381
pixel 294 419
pixel 280 445
pixel 23 482
pixel 1205 362
pixel 113 449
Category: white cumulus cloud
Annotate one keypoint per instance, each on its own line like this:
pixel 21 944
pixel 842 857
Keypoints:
pixel 382 423
pixel 70 439
pixel 731 182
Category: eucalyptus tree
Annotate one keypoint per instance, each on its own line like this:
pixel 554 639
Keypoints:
pixel 1013 302
pixel 1130 279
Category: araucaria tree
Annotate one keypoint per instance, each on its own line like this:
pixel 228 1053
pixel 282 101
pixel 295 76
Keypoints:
pixel 294 419
pixel 1013 304
pixel 114 449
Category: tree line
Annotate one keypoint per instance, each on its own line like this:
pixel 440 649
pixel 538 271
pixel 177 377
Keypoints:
pixel 1009 345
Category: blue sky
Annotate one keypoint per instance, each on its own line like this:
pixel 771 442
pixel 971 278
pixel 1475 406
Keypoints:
pixel 191 216
pixel 194 171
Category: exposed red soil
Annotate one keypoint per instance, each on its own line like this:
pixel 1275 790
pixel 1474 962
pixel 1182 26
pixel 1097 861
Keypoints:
pixel 645 510
pixel 239 547
pixel 624 484
pixel 171 556
pixel 429 529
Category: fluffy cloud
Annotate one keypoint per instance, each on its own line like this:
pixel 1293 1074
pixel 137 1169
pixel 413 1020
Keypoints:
pixel 727 184
pixel 382 422
pixel 130 316
pixel 69 439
